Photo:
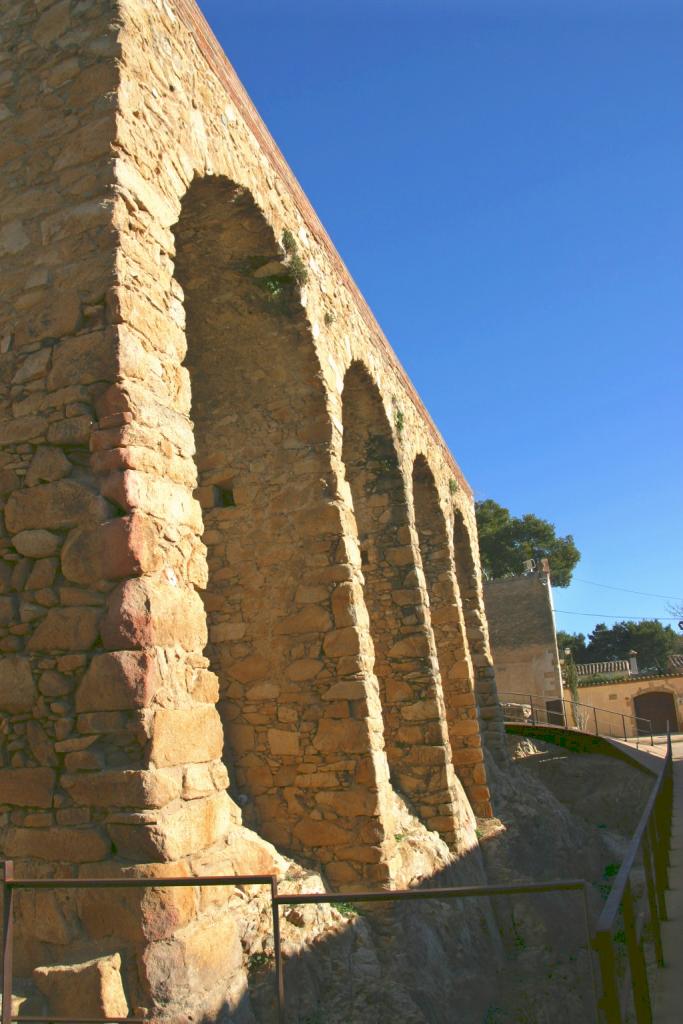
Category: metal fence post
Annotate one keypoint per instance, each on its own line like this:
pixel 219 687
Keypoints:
pixel 608 970
pixel 652 900
pixel 595 716
pixel 639 983
pixel 277 948
pixel 7 929
pixel 585 898
pixel 623 722
pixel 655 842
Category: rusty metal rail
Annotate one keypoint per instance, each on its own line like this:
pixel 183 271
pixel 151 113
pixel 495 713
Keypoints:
pixel 648 848
pixel 651 839
pixel 11 884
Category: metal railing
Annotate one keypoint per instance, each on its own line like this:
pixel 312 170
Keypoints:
pixel 565 712
pixel 10 885
pixel 650 842
pixel 649 847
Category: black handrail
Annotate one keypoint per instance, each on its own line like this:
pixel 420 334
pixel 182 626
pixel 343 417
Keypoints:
pixel 540 712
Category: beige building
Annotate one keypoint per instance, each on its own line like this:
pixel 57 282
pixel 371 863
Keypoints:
pixel 653 700
pixel 521 622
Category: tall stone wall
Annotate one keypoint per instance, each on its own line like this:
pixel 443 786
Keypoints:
pixel 239 569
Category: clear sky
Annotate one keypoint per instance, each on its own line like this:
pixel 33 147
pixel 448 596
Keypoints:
pixel 504 181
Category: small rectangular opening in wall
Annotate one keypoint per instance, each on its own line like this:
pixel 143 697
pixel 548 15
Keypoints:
pixel 216 496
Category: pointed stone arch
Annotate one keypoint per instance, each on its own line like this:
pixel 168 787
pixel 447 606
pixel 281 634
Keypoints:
pixel 455 667
pixel 416 739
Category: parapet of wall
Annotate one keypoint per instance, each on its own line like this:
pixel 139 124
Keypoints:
pixel 240 583
pixel 521 623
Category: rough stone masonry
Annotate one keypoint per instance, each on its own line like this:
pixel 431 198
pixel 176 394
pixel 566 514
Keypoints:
pixel 239 567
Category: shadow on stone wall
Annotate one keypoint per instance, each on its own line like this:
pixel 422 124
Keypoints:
pixel 504 960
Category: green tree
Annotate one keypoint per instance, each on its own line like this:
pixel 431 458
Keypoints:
pixel 652 642
pixel 576 642
pixel 506 542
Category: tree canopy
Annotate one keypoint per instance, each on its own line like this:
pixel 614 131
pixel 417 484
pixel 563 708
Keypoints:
pixel 652 642
pixel 506 542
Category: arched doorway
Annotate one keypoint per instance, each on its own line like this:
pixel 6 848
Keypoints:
pixel 657 707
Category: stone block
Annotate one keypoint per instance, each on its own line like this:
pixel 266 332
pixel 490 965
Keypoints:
pixel 54 506
pixel 92 989
pixel 175 831
pixel 310 619
pixel 33 367
pixel 304 669
pixel 71 845
pixel 351 802
pixel 135 914
pixel 66 629
pixel 22 428
pixel 119 681
pixel 8 610
pixel 203 952
pixel 36 543
pixel 47 464
pixel 147 613
pixel 348 606
pixel 17 688
pixel 186 735
pixel 283 741
pixel 138 789
pixel 342 736
pixel 112 550
pixel 342 642
pixel 251 669
pixel 415 646
pixel 132 490
pixel 312 833
pixel 40 745
pixel 74 431
pixel 85 358
pixel 27 787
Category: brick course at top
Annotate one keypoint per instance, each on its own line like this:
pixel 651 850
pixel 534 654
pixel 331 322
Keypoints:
pixel 240 594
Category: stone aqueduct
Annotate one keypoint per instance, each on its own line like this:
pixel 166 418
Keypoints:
pixel 223 500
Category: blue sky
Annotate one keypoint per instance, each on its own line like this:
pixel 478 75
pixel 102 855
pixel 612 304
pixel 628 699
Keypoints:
pixel 505 183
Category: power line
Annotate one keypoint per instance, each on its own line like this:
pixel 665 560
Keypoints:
pixel 624 618
pixel 624 590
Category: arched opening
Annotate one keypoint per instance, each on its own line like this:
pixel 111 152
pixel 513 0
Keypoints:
pixel 262 435
pixel 658 710
pixel 417 745
pixel 476 632
pixel 455 668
